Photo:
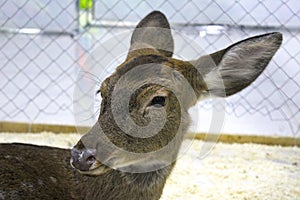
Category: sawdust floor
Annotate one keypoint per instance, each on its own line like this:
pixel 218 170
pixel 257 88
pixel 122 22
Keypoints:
pixel 228 171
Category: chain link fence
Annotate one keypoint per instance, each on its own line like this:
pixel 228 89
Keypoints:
pixel 44 44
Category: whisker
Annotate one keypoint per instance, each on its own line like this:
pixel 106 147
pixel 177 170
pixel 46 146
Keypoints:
pixel 91 76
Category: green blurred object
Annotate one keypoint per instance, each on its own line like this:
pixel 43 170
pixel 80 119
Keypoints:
pixel 85 4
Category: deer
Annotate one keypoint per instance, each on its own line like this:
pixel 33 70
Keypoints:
pixel 124 155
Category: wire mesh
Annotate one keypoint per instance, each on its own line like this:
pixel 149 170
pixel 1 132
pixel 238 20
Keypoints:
pixel 43 45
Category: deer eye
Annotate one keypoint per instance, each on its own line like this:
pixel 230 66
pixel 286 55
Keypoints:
pixel 158 101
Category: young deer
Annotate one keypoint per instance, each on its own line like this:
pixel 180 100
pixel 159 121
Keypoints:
pixel 118 160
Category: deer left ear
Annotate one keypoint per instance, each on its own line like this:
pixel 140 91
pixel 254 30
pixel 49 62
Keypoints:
pixel 152 33
pixel 230 70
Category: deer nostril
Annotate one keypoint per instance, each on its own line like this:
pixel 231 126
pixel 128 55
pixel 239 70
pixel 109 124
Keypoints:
pixel 91 159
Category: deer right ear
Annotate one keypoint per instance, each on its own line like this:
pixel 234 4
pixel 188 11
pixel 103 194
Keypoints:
pixel 152 33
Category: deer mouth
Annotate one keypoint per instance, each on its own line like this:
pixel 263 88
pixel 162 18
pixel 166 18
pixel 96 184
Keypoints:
pixel 97 168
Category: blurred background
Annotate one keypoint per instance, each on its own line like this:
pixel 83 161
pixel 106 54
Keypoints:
pixel 44 45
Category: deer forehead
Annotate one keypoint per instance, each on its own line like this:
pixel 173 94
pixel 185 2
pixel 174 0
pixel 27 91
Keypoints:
pixel 147 61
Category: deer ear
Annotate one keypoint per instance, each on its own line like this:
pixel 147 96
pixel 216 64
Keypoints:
pixel 230 70
pixel 152 34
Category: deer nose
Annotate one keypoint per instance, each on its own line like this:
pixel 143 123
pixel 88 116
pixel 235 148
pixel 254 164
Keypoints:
pixel 83 159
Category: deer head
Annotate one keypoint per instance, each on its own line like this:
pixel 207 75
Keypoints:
pixel 145 102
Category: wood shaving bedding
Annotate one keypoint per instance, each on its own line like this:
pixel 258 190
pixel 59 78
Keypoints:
pixel 236 171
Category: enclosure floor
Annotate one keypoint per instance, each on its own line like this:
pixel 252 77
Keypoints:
pixel 236 171
pixel 228 171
